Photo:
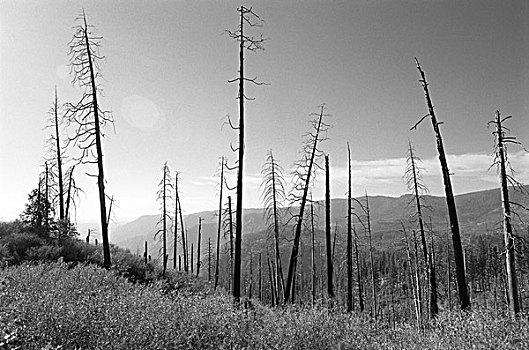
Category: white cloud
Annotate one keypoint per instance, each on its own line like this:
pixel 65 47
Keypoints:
pixel 384 176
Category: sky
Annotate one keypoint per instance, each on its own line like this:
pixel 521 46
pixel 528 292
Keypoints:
pixel 165 79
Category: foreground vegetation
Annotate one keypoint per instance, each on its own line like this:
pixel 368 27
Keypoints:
pixel 54 304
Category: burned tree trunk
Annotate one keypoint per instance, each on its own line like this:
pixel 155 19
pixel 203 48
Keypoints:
pixel 415 286
pixel 58 155
pixel 230 229
pixel 87 115
pixel 273 196
pixel 371 260
pixel 502 164
pixel 414 183
pixel 185 247
pixel 209 259
pixel 198 244
pixel 175 243
pixel 313 255
pixel 163 196
pixel 358 273
pixel 464 297
pixel 246 42
pixel 304 178
pixel 330 286
pixel 349 237
pixel 217 261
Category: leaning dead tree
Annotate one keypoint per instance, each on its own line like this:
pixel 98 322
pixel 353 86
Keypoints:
pixel 164 196
pixel 413 179
pixel 86 116
pixel 464 297
pixel 303 175
pixel 246 43
pixel 502 163
pixel 183 232
pixel 273 197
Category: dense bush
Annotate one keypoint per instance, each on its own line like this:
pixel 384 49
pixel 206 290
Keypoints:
pixel 87 307
pixel 19 243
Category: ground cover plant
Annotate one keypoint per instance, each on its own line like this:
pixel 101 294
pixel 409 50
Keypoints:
pixel 87 307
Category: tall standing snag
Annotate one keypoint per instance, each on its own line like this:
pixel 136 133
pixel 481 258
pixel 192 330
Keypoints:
pixel 303 176
pixel 55 143
pixel 198 244
pixel 414 183
pixel 358 272
pixel 164 195
pixel 273 196
pixel 502 163
pixel 185 245
pixel 349 235
pixel 464 297
pixel 86 115
pixel 246 42
pixel 330 285
pixel 219 227
pixel 175 223
pixel 371 260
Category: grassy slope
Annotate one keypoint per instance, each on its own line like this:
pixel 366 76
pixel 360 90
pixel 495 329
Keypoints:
pixel 91 308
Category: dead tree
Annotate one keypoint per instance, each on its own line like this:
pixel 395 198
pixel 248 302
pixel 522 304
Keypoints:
pixel 229 230
pixel 417 276
pixel 272 282
pixel 86 116
pixel 349 236
pixel 260 281
pixel 273 196
pixel 431 264
pixel 198 244
pixel 175 223
pixel 219 227
pixel 192 272
pixel 56 148
pixel 448 273
pixel 330 285
pixel 250 43
pixel 413 179
pixel 313 254
pixel 502 163
pixel 371 260
pixel 47 213
pixel 464 297
pixel 209 259
pixel 303 175
pixel 183 232
pixel 72 193
pixel 358 272
pixel 415 286
pixel 164 196
pixel 250 295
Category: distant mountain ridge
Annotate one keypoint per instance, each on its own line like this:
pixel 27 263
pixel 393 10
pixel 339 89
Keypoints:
pixel 477 212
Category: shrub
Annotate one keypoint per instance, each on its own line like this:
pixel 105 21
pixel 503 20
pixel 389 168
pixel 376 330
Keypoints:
pixel 51 305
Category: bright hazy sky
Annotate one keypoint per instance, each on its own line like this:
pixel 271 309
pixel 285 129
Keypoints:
pixel 165 79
